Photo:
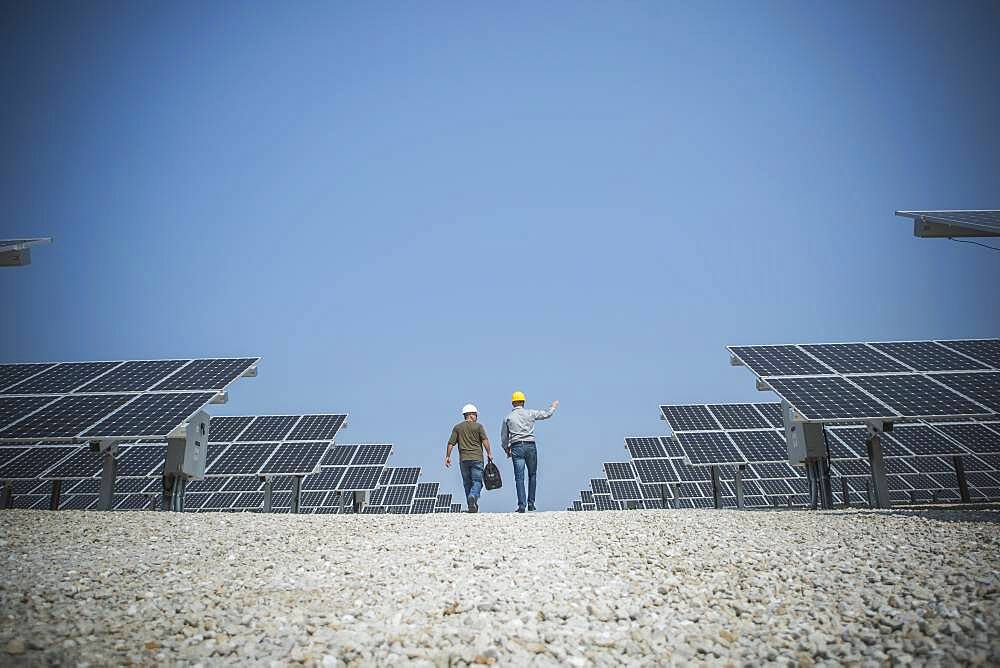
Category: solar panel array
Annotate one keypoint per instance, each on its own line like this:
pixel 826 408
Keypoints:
pixel 122 400
pixel 983 220
pixel 842 382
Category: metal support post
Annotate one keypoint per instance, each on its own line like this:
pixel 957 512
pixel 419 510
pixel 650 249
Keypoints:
pixel 789 500
pixel 738 484
pixel 7 500
pixel 846 491
pixel 963 484
pixel 268 487
pixel 108 473
pixel 716 488
pixel 934 496
pixel 343 503
pixel 155 502
pixel 880 484
pixel 296 488
pixel 178 484
pixel 675 488
pixel 869 493
pixel 664 496
pixel 54 495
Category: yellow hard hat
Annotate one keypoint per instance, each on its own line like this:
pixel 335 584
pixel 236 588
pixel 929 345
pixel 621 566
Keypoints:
pixel 517 396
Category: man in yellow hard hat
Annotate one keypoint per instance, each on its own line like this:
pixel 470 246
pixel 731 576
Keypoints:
pixel 517 436
pixel 470 436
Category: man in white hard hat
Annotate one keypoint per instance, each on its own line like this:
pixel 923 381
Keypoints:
pixel 517 438
pixel 470 436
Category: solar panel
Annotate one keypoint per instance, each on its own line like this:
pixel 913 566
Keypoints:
pixel 405 476
pixel 205 485
pixel 772 412
pixel 61 378
pixel 141 460
pixel 587 496
pixel 295 458
pixel 654 471
pixel 242 459
pixel 600 486
pixel 923 440
pixel 32 462
pixel 619 471
pixel 150 415
pixel 339 455
pixel 780 360
pixel 846 443
pixel 851 467
pixel 240 484
pixel 219 500
pixel 312 499
pixel 422 506
pixel 249 500
pixel 761 446
pixel 912 394
pixel 398 495
pixel 774 470
pixel 361 478
pixel 269 428
pixel 829 398
pixel 982 387
pixel 11 374
pixel 328 478
pixel 645 447
pixel 975 437
pixel 66 417
pixel 605 502
pixel 928 356
pixel 775 487
pixel 930 465
pixel 317 427
pixel 686 472
pixel 427 490
pixel 225 428
pixel 78 502
pixel 709 447
pixel 81 464
pixel 986 351
pixel 577 506
pixel 625 490
pixel 853 358
pixel 738 416
pixel 688 417
pixel 444 500
pixel 370 454
pixel 208 374
pixel 133 376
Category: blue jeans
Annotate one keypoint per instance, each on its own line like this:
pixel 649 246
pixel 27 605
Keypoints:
pixel 472 477
pixel 524 455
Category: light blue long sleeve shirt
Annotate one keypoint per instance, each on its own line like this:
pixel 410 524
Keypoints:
pixel 519 425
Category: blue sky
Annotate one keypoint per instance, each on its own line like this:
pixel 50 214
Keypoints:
pixel 405 208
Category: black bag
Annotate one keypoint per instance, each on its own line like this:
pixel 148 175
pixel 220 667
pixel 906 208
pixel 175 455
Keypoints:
pixel 491 476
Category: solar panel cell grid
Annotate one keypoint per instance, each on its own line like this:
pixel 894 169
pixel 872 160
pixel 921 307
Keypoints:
pixel 619 471
pixel 66 417
pixel 605 502
pixel 220 500
pixel 372 454
pixel 645 447
pixel 975 437
pixel 151 415
pixel 64 377
pixel 11 374
pixel 295 458
pixel 917 395
pixel 141 460
pixel 982 387
pixel 249 500
pixel 772 412
pixel 33 462
pixel 599 486
pixel 207 374
pixel 339 455
pixel 690 417
pixel 586 496
pixel 328 478
pixel 927 356
pixel 761 446
pixel 848 443
pixel 828 398
pixel 361 478
pixel 738 416
pixel 405 476
pixel 422 507
pixel 688 473
pixel 930 464
pixel 786 360
pixel 205 485
pixel 399 495
pixel 776 470
pixel 317 427
pixel 242 484
pixel 853 358
pixel 427 490
pixel 709 448
pixel 242 459
pixel 986 351
pixel 898 466
pixel 444 500
pixel 851 467
pixel 78 502
pixel 226 428
pixel 672 447
pixel 624 490
pixel 133 376
pixel 652 471
pixel 269 428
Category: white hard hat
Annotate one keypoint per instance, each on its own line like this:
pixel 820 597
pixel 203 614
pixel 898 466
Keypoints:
pixel 469 408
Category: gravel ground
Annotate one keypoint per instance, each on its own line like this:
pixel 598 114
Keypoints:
pixel 644 588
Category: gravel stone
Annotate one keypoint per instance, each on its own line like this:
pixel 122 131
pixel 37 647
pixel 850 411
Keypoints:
pixel 687 587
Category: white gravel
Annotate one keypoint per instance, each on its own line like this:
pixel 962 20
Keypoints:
pixel 643 588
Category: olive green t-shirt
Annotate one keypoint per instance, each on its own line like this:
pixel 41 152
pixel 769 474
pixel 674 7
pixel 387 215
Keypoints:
pixel 470 437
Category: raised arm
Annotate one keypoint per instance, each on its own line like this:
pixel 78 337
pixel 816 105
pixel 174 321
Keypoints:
pixel 547 413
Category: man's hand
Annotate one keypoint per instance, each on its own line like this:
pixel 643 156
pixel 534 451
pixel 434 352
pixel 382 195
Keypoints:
pixel 447 462
pixel 555 404
pixel 507 452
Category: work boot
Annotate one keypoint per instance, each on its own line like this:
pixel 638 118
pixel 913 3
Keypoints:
pixel 531 507
pixel 473 504
pixel 520 509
